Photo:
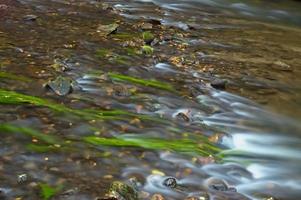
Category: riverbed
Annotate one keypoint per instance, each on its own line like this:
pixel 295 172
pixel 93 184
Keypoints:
pixel 204 93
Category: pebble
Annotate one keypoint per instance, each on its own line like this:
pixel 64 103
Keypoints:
pixel 199 196
pixel 157 197
pixel 170 182
pixel 183 116
pixel 282 66
pixel 219 84
pixel 22 178
pixel 30 17
pixel 216 184
pixel 146 26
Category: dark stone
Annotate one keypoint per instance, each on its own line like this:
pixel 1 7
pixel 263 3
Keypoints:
pixel 2 195
pixel 170 182
pixel 183 116
pixel 154 21
pixel 121 191
pixel 60 86
pixel 219 84
pixel 219 187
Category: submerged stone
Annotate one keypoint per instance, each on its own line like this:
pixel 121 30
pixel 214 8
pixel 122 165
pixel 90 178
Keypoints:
pixel 60 86
pixel 30 17
pixel 146 26
pixel 170 182
pixel 157 197
pixel 121 91
pixel 184 116
pixel 3 193
pixel 217 185
pixel 107 29
pixel 63 65
pixel 198 196
pixel 282 66
pixel 219 84
pixel 22 178
pixel 121 191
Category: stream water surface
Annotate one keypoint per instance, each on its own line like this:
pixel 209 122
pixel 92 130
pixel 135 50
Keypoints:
pixel 210 110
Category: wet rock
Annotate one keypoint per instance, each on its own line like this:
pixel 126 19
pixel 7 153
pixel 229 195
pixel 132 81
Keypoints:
pixel 183 116
pixel 170 182
pixel 228 196
pixel 167 37
pixel 22 178
pixel 6 6
pixel 62 65
pixel 30 18
pixel 3 7
pixel 216 185
pixel 219 187
pixel 157 197
pixel 60 86
pixel 119 91
pixel 143 195
pixel 219 84
pixel 154 21
pixel 198 196
pixel 70 191
pixel 3 195
pixel 121 191
pixel 155 42
pixel 135 183
pixel 282 66
pixel 106 30
pixel 146 26
pixel 106 6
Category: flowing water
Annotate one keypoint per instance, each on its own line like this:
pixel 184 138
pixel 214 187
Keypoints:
pixel 217 105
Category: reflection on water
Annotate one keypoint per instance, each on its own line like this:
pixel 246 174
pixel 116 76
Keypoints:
pixel 285 11
pixel 266 144
pixel 203 47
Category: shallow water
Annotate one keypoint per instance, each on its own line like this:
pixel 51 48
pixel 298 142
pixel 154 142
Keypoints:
pixel 254 48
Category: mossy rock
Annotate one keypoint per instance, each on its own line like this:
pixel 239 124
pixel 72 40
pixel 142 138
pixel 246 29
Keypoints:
pixel 121 191
pixel 148 37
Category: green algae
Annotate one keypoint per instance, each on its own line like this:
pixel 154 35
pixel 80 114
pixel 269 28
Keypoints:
pixel 53 143
pixel 47 191
pixel 112 57
pixel 101 53
pixel 185 146
pixel 148 83
pixel 49 139
pixel 6 75
pixel 120 56
pixel 42 148
pixel 148 50
pixel 11 97
pixel 132 51
pixel 125 36
pixel 148 37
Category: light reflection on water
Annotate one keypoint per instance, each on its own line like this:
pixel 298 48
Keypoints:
pixel 286 11
pixel 267 145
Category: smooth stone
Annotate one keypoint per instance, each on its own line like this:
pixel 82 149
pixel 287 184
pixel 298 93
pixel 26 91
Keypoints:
pixel 219 84
pixel 30 17
pixel 60 86
pixel 170 182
